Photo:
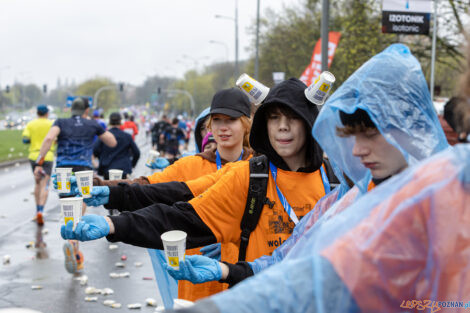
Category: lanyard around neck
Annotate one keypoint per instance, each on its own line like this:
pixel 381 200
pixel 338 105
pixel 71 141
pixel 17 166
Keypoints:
pixel 218 160
pixel 326 182
pixel 283 199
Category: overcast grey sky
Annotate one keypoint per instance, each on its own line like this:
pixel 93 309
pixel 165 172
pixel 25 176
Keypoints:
pixel 42 40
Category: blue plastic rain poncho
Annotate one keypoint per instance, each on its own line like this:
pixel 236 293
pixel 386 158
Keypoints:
pixel 393 91
pixel 197 128
pixel 405 240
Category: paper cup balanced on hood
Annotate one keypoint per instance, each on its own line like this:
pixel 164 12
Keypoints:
pixel 255 90
pixel 289 93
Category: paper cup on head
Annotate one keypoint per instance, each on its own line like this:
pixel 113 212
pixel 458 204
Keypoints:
pixel 152 157
pixel 71 209
pixel 63 175
pixel 174 244
pixel 84 182
pixel 115 174
pixel 255 90
pixel 318 91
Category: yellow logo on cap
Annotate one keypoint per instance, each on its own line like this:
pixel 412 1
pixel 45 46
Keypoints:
pixel 59 185
pixel 247 86
pixel 324 87
pixel 67 219
pixel 86 190
pixel 174 261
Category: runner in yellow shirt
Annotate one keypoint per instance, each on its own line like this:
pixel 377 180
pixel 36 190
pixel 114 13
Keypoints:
pixel 34 134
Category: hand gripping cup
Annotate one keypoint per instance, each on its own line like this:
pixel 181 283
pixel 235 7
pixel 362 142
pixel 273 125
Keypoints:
pixel 71 209
pixel 115 174
pixel 153 155
pixel 63 175
pixel 255 90
pixel 84 182
pixel 318 91
pixel 174 244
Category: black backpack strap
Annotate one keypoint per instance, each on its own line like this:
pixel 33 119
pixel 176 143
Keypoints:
pixel 255 201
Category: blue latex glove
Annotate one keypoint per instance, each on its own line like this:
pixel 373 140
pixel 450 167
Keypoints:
pixel 99 196
pixel 197 269
pixel 73 185
pixel 90 227
pixel 160 163
pixel 212 251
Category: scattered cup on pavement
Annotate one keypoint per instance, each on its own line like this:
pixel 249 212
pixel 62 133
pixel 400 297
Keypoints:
pixel 115 174
pixel 255 90
pixel 71 209
pixel 152 157
pixel 84 182
pixel 63 175
pixel 174 244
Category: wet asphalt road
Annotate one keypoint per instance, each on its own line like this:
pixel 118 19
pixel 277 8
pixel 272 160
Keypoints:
pixel 43 263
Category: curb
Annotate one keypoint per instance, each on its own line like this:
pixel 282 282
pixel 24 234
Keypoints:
pixel 12 163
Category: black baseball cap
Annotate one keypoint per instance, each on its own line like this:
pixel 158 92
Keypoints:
pixel 115 118
pixel 232 102
pixel 79 105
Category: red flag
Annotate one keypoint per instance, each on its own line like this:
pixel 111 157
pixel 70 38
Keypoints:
pixel 314 69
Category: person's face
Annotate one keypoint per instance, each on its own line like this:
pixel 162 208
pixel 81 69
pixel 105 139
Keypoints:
pixel 210 146
pixel 286 135
pixel 203 130
pixel 228 131
pixel 376 154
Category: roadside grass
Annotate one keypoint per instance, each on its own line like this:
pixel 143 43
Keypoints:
pixel 11 145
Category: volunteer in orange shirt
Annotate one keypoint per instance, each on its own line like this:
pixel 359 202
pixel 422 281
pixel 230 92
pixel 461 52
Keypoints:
pixel 230 124
pixel 282 126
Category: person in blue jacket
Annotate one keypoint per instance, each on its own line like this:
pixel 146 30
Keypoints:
pixel 123 157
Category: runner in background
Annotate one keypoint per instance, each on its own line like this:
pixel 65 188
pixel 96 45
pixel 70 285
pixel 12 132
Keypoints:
pixel 129 126
pixel 34 134
pixel 173 135
pixel 158 142
pixel 74 137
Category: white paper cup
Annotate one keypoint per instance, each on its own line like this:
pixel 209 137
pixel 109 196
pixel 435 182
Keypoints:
pixel 152 157
pixel 84 182
pixel 71 209
pixel 255 90
pixel 318 91
pixel 174 244
pixel 115 174
pixel 63 179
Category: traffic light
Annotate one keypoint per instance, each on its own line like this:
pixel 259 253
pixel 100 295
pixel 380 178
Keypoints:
pixel 44 88
pixel 121 87
pixel 159 90
pixel 7 89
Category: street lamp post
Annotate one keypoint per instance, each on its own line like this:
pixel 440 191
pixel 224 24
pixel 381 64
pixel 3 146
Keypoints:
pixel 235 20
pixel 223 44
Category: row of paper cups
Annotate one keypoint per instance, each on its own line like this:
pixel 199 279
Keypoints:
pixel 84 180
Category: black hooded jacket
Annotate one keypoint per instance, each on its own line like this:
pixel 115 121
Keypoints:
pixel 144 227
pixel 289 93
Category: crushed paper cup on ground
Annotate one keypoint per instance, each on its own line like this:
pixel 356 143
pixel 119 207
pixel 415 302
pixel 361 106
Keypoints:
pixel 71 209
pixel 174 244
pixel 63 175
pixel 85 183
pixel 318 91
pixel 115 174
pixel 255 90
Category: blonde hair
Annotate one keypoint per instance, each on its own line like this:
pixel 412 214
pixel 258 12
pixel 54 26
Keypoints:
pixel 246 123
